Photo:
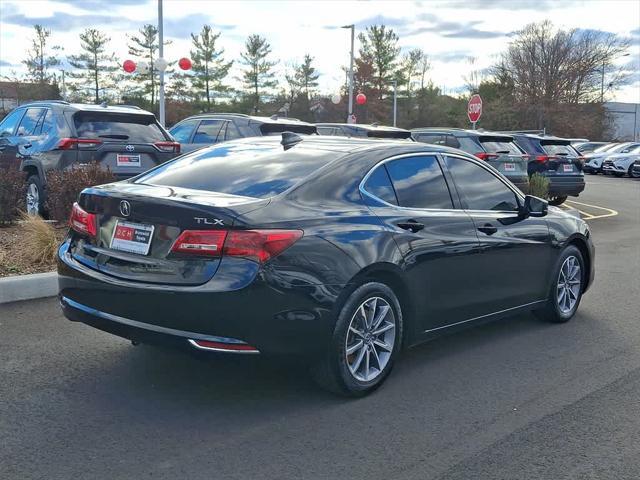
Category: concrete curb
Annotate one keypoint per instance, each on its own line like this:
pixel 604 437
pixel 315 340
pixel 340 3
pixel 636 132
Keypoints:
pixel 27 287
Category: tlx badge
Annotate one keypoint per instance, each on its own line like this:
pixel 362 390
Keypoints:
pixel 208 221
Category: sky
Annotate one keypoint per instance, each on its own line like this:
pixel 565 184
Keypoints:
pixel 454 33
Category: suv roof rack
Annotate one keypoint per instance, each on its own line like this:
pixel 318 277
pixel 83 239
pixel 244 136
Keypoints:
pixel 534 132
pixel 222 113
pixel 136 107
pixel 62 102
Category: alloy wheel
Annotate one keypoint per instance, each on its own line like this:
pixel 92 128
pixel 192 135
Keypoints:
pixel 370 339
pixel 569 285
pixel 33 199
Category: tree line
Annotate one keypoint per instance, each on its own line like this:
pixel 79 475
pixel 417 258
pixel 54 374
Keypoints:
pixel 546 78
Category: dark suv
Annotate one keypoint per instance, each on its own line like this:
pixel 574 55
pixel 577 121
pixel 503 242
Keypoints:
pixel 208 128
pixel 498 150
pixel 362 130
pixel 556 159
pixel 42 136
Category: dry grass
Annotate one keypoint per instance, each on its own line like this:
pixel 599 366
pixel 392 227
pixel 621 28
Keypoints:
pixel 40 240
pixel 539 186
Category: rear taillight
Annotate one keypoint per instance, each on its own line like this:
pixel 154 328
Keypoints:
pixel 485 155
pixel 169 147
pixel 75 143
pixel 82 222
pixel 543 158
pixel 257 245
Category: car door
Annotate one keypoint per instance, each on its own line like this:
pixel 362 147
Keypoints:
pixel 8 138
pixel 437 240
pixel 209 132
pixel 27 133
pixel 516 249
pixel 182 133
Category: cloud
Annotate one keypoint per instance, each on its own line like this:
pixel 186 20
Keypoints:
pixel 4 63
pixel 474 33
pixel 450 57
pixel 192 23
pixel 64 21
pixel 93 5
pixel 508 5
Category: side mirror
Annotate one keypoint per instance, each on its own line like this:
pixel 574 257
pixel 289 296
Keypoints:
pixel 535 207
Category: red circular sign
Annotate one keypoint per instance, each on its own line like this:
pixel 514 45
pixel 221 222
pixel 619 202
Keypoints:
pixel 184 63
pixel 361 99
pixel 474 108
pixel 129 66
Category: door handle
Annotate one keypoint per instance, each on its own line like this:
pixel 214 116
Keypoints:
pixel 411 225
pixel 488 229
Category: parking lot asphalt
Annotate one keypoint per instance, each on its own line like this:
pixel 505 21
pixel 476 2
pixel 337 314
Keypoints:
pixel 516 399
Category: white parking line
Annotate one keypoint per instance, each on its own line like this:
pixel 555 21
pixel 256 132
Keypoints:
pixel 589 216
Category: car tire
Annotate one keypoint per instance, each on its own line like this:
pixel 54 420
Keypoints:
pixel 630 172
pixel 354 374
pixel 34 196
pixel 558 200
pixel 564 295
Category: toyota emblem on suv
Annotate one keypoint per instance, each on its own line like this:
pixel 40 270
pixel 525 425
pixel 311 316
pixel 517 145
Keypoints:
pixel 125 208
pixel 130 148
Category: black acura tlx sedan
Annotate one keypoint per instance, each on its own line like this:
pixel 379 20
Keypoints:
pixel 344 250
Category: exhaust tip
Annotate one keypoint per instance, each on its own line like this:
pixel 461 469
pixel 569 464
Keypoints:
pixel 230 345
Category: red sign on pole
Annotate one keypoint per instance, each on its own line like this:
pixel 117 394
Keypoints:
pixel 474 109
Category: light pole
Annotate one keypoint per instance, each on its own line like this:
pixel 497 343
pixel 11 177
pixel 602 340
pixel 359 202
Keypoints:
pixel 350 114
pixel 602 79
pixel 161 72
pixel 395 101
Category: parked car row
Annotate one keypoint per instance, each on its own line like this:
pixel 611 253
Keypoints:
pixel 47 135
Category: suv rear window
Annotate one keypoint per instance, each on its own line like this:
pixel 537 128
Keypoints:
pixel 275 128
pixel 118 126
pixel 558 148
pixel 256 170
pixel 499 145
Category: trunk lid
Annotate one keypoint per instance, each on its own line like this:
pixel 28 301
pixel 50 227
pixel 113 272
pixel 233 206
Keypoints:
pixel 158 215
pixel 504 155
pixel 563 158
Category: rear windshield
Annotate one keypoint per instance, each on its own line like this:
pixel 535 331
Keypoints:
pixel 499 145
pixel 558 148
pixel 276 128
pixel 259 171
pixel 388 134
pixel 118 126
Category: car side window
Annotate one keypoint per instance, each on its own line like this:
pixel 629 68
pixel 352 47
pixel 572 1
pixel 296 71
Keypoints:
pixel 232 132
pixel 379 185
pixel 44 123
pixel 29 121
pixel 325 131
pixel 481 189
pixel 451 141
pixel 8 125
pixel 182 132
pixel 432 138
pixel 419 182
pixel 209 131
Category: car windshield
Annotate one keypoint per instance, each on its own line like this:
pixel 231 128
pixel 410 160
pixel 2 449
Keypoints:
pixel 499 145
pixel 250 170
pixel 563 149
pixel 118 126
pixel 606 147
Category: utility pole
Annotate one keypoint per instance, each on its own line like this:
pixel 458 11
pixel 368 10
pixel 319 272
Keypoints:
pixel 602 85
pixel 350 114
pixel 395 101
pixel 161 71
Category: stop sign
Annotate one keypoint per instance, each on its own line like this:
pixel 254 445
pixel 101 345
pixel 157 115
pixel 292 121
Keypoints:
pixel 474 108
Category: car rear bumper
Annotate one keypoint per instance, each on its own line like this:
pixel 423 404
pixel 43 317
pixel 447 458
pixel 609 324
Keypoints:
pixel 589 169
pixel 566 185
pixel 274 317
pixel 520 181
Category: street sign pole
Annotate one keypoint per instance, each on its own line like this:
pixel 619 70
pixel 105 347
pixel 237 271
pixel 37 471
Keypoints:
pixel 161 72
pixel 350 113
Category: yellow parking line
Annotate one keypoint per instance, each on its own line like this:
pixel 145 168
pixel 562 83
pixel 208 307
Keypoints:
pixel 610 211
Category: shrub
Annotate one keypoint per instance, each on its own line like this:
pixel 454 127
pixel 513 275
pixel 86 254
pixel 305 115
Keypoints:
pixel 64 187
pixel 539 186
pixel 40 239
pixel 12 192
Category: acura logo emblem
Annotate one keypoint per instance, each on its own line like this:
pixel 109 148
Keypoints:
pixel 125 208
pixel 129 148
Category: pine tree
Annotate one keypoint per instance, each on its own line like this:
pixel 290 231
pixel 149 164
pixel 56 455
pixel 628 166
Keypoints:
pixel 209 68
pixel 94 63
pixel 259 73
pixel 38 59
pixel 306 76
pixel 145 47
pixel 379 49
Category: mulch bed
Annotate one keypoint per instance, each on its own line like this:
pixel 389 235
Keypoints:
pixel 13 259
